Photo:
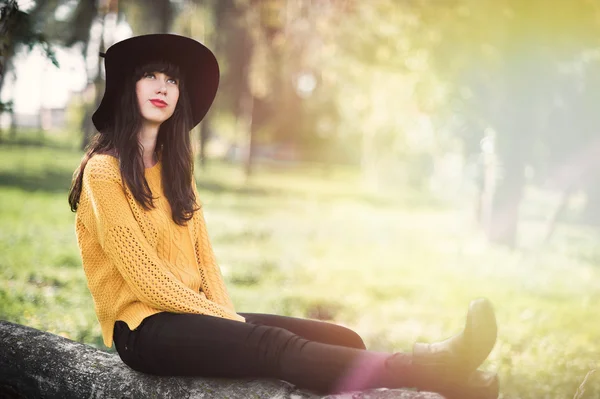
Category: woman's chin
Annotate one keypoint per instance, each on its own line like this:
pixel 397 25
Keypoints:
pixel 155 120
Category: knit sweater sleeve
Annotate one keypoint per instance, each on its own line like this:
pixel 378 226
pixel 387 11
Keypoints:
pixel 209 266
pixel 125 245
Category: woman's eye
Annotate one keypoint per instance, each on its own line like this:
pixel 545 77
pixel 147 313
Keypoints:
pixel 174 81
pixel 149 75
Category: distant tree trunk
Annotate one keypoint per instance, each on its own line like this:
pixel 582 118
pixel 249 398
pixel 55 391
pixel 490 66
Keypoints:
pixel 166 11
pixel 249 126
pixel 12 133
pixel 504 217
pixel 205 128
pixel 591 213
pixel 99 84
pixel 558 212
pixel 512 151
pixel 518 119
pixel 588 162
pixel 213 43
pixel 8 24
pixel 7 48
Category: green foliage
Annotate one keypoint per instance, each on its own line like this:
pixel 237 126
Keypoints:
pixel 397 268
pixel 18 28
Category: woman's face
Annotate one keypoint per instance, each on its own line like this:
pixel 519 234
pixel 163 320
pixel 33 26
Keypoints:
pixel 157 96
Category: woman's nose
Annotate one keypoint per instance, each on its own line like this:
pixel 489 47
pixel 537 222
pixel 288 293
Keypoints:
pixel 162 87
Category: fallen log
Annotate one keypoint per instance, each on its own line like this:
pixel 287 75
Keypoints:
pixel 37 364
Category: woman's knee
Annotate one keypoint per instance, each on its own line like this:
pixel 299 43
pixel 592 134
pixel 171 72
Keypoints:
pixel 273 338
pixel 350 338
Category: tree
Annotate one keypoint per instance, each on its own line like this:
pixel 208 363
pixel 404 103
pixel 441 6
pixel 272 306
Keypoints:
pixel 215 24
pixel 18 29
pixel 516 61
pixel 496 64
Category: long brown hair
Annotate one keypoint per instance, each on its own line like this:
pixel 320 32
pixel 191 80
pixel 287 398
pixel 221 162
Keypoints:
pixel 173 148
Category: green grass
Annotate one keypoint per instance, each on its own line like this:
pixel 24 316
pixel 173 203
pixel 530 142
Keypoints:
pixel 396 267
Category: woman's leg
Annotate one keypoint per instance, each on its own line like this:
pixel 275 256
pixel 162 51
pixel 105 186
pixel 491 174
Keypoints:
pixel 199 345
pixel 312 330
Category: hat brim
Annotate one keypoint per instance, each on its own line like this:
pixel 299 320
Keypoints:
pixel 198 66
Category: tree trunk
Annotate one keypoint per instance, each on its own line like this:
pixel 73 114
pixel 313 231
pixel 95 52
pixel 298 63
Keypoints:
pixel 591 212
pixel 205 127
pixel 166 11
pixel 99 84
pixel 13 125
pixel 7 44
pixel 249 127
pixel 504 217
pixel 518 118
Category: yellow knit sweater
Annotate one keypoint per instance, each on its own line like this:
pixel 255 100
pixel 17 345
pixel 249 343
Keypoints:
pixel 139 262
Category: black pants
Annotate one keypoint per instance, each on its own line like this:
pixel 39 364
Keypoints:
pixel 309 354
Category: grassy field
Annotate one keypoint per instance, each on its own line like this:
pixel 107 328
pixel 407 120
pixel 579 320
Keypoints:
pixel 396 268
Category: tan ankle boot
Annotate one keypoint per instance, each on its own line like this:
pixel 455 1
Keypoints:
pixel 450 367
pixel 401 373
pixel 463 353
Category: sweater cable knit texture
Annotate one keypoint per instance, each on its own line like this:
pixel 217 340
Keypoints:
pixel 139 262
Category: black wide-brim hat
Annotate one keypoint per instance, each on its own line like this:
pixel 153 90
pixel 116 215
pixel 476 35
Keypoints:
pixel 197 64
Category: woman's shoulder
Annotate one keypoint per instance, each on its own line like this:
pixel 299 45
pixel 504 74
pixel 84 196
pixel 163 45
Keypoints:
pixel 103 165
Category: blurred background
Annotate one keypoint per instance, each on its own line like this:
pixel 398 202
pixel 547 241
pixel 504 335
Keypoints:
pixel 373 163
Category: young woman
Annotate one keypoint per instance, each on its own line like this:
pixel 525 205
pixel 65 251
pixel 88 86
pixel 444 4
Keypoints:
pixel 157 289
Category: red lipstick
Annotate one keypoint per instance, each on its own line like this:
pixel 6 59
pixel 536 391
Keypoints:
pixel 158 103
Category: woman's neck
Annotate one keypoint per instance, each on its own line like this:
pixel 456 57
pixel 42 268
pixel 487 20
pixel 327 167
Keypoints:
pixel 147 138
